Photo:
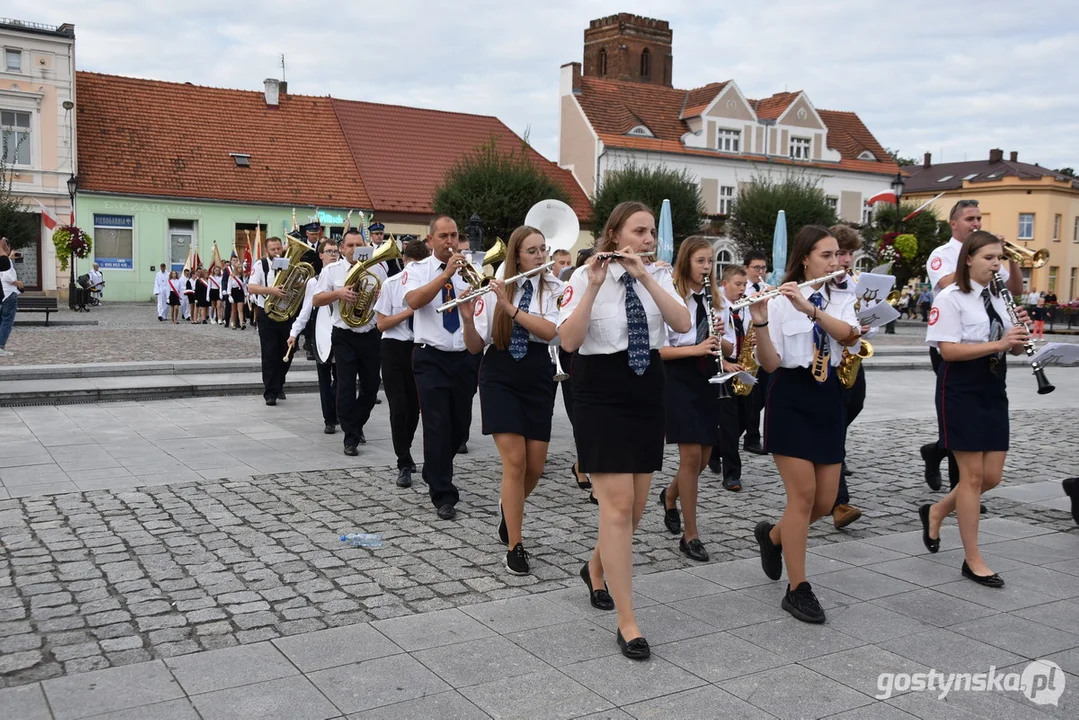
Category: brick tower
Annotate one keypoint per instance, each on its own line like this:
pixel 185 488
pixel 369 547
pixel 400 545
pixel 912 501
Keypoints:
pixel 628 47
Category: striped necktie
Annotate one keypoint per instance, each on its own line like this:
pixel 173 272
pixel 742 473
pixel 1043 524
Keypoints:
pixel 519 336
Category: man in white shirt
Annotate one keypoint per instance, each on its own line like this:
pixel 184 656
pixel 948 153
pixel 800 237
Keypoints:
pixel 161 292
pixel 355 349
pixel 445 371
pixel 756 264
pixel 10 287
pixel 273 334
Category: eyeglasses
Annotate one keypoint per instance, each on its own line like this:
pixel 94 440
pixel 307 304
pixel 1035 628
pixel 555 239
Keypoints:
pixel 541 250
pixel 759 268
pixel 329 251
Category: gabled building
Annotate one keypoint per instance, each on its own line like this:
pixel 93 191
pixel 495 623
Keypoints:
pixel 1030 205
pixel 166 166
pixel 620 107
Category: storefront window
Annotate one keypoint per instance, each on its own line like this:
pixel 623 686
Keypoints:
pixel 113 241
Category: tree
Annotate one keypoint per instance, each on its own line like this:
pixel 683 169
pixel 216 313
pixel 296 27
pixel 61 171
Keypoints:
pixel 925 226
pixel 17 223
pixel 899 159
pixel 651 186
pixel 1070 172
pixel 500 186
pixel 752 221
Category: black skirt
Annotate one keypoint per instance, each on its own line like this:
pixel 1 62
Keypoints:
pixel 215 295
pixel 972 405
pixel 692 403
pixel 237 295
pixel 803 418
pixel 174 299
pixel 518 396
pixel 618 416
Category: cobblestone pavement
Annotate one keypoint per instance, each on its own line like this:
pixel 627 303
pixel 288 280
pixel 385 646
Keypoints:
pixel 113 577
pixel 124 332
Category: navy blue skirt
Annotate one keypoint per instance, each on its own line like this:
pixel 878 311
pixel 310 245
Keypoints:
pixel 517 396
pixel 804 418
pixel 692 403
pixel 618 416
pixel 972 405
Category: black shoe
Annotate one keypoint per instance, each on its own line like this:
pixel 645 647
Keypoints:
pixel 993 581
pixel 694 549
pixel 715 466
pixel 732 484
pixel 330 429
pixel 846 471
pixel 161 319
pixel 311 356
pixel 671 518
pixel 463 450
pixel 351 450
pixel 802 604
pixel 981 509
pixel 771 554
pixel 600 599
pixel 413 467
pixel 447 512
pixel 271 401
pixel 586 485
pixel 931 544
pixel 362 440
pixel 931 458
pixel 592 498
pixel 281 395
pixel 517 560
pixel 503 533
pixel 404 478
pixel 1071 489
pixel 635 649
pixel 754 448
pixel 378 401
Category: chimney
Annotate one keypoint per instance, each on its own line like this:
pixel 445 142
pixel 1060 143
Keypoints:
pixel 576 68
pixel 282 89
pixel 928 161
pixel 569 79
pixel 273 88
pixel 995 155
pixel 1014 156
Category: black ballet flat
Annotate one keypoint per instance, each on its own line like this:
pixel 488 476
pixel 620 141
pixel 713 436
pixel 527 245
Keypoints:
pixel 600 599
pixel 592 498
pixel 931 544
pixel 586 485
pixel 993 581
pixel 635 649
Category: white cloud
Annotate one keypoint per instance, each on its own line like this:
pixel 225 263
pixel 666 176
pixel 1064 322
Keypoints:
pixel 954 78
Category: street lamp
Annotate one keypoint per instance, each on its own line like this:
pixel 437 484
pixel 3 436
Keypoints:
pixel 474 232
pixel 897 188
pixel 72 186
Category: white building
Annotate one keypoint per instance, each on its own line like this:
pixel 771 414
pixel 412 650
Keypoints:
pixel 622 109
pixel 37 95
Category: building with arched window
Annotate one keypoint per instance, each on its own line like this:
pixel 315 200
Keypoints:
pixel 602 62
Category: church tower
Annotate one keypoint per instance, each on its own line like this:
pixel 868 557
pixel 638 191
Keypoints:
pixel 628 47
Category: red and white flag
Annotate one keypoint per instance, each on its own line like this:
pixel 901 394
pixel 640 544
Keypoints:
pixel 50 222
pixel 923 206
pixel 886 196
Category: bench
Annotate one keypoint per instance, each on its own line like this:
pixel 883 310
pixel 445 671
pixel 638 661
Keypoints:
pixel 38 304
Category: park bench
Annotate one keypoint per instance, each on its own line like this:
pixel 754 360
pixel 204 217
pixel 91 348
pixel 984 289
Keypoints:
pixel 38 304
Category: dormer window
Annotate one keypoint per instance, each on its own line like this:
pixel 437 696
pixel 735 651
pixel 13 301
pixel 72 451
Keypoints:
pixel 640 131
pixel 728 140
pixel 800 148
pixel 646 63
pixel 866 155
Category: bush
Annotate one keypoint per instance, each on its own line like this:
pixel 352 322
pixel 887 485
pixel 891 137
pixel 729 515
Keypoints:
pixel 17 223
pixel 651 186
pixel 752 221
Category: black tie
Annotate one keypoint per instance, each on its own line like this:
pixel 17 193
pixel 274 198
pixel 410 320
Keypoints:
pixel 756 287
pixel 701 320
pixel 841 285
pixel 739 332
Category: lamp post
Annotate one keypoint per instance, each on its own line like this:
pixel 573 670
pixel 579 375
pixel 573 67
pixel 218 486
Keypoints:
pixel 474 232
pixel 897 188
pixel 72 186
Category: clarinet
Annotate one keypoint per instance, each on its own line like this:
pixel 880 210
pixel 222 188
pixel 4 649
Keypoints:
pixel 712 324
pixel 998 286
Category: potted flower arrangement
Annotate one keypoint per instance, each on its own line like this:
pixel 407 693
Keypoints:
pixel 71 241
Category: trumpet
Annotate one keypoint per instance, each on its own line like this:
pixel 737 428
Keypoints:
pixel 487 288
pixel 1025 257
pixel 774 292
pixel 614 255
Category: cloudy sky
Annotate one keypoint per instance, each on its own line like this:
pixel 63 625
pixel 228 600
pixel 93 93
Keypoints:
pixel 953 77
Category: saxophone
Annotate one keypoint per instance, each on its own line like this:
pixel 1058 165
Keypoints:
pixel 748 362
pixel 850 362
pixel 292 280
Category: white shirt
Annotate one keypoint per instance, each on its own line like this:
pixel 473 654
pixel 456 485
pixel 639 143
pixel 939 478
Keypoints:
pixel 214 281
pixel 944 260
pixel 427 323
pixel 391 301
pixel 161 282
pixel 236 281
pixel 96 278
pixel 304 315
pixel 266 279
pixel 548 310
pixel 791 330
pixel 753 288
pixel 686 339
pixel 608 332
pixel 960 317
pixel 730 333
pixel 8 278
pixel 332 278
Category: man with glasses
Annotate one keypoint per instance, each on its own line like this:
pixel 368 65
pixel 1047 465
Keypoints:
pixel 328 254
pixel 756 263
pixel 965 218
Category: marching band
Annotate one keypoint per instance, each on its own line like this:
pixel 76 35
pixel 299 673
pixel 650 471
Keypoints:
pixel 646 354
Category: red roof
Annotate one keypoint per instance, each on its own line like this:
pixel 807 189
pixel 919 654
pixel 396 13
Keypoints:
pixel 614 107
pixel 404 153
pixel 147 137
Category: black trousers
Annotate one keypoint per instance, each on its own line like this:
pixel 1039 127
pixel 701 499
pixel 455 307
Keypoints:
pixel 754 408
pixel 446 382
pixel 273 337
pixel 402 396
pixel 855 399
pixel 566 360
pixel 735 416
pixel 327 390
pixel 941 453
pixel 357 358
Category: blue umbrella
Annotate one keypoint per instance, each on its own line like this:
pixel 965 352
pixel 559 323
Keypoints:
pixel 779 250
pixel 665 235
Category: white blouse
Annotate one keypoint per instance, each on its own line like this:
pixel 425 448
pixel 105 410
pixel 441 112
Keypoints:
pixel 791 330
pixel 544 304
pixel 960 317
pixel 391 301
pixel 608 332
pixel 686 339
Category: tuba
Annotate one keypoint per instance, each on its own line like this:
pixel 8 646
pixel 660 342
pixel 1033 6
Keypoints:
pixel 293 281
pixel 366 285
pixel 748 362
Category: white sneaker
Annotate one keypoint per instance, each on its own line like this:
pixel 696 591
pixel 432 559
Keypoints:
pixel 5 353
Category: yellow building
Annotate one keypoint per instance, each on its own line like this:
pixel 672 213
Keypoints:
pixel 1027 204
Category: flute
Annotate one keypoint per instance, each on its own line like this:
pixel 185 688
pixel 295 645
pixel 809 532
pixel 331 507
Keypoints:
pixel 774 292
pixel 615 255
pixel 486 289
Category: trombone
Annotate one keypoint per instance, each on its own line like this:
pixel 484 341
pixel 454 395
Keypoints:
pixel 477 292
